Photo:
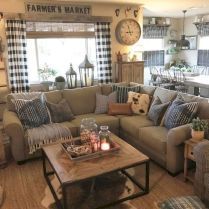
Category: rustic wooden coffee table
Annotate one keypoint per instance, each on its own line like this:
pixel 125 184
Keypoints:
pixel 69 172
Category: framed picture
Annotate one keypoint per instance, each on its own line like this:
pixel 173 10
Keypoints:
pixel 193 42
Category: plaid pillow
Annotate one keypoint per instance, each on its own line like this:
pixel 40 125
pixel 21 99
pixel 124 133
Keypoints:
pixel 32 113
pixel 187 202
pixel 180 113
pixel 102 102
pixel 122 92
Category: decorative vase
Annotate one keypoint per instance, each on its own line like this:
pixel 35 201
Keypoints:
pixel 197 135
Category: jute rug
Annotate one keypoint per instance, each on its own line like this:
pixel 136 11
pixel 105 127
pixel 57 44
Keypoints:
pixel 91 194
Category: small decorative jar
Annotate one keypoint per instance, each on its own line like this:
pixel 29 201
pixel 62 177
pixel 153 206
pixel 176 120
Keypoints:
pixel 104 135
pixel 88 130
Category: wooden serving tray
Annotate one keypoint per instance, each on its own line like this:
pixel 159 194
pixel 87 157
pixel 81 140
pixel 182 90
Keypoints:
pixel 113 147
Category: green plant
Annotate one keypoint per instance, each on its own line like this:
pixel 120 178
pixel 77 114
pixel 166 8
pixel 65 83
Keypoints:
pixel 46 72
pixel 59 79
pixel 199 125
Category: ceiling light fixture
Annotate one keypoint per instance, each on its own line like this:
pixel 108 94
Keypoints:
pixel 184 44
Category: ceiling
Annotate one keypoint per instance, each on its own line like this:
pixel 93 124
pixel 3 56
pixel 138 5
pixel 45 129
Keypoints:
pixel 169 8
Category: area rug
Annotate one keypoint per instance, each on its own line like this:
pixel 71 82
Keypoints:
pixel 91 194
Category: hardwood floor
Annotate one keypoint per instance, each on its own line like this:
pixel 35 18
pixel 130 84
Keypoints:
pixel 24 186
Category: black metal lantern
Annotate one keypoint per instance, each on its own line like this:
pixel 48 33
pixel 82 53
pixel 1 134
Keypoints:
pixel 71 76
pixel 86 70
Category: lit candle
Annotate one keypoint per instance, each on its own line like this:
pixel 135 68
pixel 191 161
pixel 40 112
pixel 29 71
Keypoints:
pixel 105 146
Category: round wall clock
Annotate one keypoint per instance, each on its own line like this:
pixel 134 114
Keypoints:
pixel 128 31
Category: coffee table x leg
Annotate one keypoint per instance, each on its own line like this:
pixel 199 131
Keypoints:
pixel 144 189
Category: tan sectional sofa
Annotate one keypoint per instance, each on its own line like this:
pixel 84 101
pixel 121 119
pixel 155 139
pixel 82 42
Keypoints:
pixel 162 145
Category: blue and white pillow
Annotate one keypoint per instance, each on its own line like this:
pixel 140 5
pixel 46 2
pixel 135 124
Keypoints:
pixel 122 92
pixel 32 113
pixel 180 113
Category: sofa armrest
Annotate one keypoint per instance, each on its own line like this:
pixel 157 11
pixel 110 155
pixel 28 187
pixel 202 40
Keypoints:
pixel 178 135
pixel 15 131
pixel 175 148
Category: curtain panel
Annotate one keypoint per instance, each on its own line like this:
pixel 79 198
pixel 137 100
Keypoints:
pixel 17 61
pixel 154 31
pixel 103 52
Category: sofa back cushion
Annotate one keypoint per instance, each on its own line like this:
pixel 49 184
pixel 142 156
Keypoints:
pixel 147 89
pixel 164 95
pixel 53 96
pixel 82 100
pixel 106 89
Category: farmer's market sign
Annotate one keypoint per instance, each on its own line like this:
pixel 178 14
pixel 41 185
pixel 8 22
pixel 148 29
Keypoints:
pixel 62 8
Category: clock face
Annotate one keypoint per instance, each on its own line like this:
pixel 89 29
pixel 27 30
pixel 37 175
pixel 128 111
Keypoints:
pixel 128 31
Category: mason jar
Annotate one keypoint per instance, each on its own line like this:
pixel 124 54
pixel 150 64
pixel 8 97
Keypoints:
pixel 88 129
pixel 104 136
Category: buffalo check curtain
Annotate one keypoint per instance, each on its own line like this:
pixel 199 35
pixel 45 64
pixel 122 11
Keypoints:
pixel 17 61
pixel 103 52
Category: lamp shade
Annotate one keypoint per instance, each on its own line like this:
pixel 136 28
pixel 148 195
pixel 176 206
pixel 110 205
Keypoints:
pixel 184 43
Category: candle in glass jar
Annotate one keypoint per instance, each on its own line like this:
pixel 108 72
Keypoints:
pixel 105 146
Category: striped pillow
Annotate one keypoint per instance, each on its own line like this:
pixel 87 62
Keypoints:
pixel 32 113
pixel 102 102
pixel 122 92
pixel 180 113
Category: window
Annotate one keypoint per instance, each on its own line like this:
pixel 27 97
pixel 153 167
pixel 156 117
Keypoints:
pixel 153 44
pixel 203 51
pixel 153 52
pixel 204 42
pixel 57 45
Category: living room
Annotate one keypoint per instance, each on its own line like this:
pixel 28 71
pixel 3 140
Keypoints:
pixel 120 132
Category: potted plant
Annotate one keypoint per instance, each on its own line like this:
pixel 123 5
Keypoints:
pixel 45 73
pixel 60 82
pixel 198 128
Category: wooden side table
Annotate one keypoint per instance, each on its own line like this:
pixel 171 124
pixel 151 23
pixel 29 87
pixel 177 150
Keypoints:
pixel 189 155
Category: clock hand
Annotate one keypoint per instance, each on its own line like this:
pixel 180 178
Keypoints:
pixel 129 31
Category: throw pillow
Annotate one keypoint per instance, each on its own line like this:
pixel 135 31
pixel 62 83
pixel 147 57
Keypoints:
pixel 180 113
pixel 32 113
pixel 157 111
pixel 139 102
pixel 102 102
pixel 187 202
pixel 60 112
pixel 122 92
pixel 119 109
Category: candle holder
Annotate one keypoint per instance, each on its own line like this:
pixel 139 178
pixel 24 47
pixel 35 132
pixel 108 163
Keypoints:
pixel 104 135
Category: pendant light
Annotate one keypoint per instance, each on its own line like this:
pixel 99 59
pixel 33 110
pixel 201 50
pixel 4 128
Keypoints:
pixel 184 44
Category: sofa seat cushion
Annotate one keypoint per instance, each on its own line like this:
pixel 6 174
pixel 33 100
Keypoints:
pixel 131 124
pixel 101 119
pixel 154 137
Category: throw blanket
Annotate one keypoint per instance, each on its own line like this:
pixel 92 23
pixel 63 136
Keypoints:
pixel 45 134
